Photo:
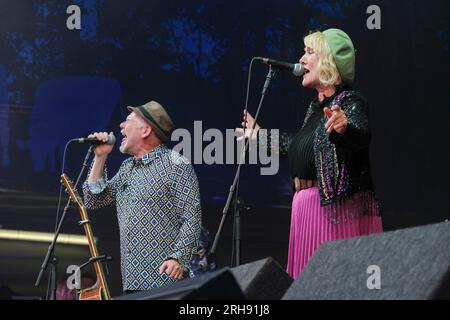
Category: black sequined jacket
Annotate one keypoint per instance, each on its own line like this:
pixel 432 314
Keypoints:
pixel 342 161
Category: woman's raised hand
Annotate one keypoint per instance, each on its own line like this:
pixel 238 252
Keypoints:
pixel 247 124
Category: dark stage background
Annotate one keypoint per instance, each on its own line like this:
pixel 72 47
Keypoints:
pixel 193 57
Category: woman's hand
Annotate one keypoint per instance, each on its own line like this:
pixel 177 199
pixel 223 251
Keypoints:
pixel 247 125
pixel 337 120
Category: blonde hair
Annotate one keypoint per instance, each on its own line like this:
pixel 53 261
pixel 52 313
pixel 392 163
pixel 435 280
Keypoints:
pixel 328 71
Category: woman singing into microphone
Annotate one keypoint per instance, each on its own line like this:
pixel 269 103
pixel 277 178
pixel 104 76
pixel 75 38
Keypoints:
pixel 329 155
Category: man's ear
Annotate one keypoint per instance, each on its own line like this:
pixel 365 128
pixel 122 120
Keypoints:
pixel 147 132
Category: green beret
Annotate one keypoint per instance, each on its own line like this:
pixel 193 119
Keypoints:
pixel 343 52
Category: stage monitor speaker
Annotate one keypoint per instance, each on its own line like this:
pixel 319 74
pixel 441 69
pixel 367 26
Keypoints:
pixel 218 285
pixel 409 264
pixel 262 280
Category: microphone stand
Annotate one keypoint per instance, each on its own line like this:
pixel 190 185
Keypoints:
pixel 239 207
pixel 237 234
pixel 50 256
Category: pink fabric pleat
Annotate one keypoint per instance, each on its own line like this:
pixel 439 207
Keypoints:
pixel 310 227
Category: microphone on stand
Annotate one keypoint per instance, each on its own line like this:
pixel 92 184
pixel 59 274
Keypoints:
pixel 296 69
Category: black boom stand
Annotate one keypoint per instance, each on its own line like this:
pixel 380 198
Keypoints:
pixel 50 256
pixel 233 191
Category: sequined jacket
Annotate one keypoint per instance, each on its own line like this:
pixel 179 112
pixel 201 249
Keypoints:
pixel 342 161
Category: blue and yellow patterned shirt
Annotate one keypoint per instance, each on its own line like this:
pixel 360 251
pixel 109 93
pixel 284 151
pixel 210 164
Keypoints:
pixel 159 214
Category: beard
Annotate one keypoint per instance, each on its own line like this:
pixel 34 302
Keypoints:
pixel 122 149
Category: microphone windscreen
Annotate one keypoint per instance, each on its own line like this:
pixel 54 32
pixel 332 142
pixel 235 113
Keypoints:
pixel 111 138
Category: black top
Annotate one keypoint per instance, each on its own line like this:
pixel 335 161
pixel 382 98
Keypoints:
pixel 301 149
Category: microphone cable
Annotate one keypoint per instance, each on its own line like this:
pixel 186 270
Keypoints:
pixel 249 76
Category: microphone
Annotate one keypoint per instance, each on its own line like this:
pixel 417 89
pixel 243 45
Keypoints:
pixel 94 141
pixel 296 69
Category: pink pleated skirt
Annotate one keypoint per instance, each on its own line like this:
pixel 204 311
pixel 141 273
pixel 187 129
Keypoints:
pixel 310 227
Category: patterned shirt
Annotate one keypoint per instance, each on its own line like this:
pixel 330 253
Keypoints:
pixel 159 214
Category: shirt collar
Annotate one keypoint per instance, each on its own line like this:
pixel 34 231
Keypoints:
pixel 151 156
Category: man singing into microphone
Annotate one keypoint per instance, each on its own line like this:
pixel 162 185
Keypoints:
pixel 157 198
